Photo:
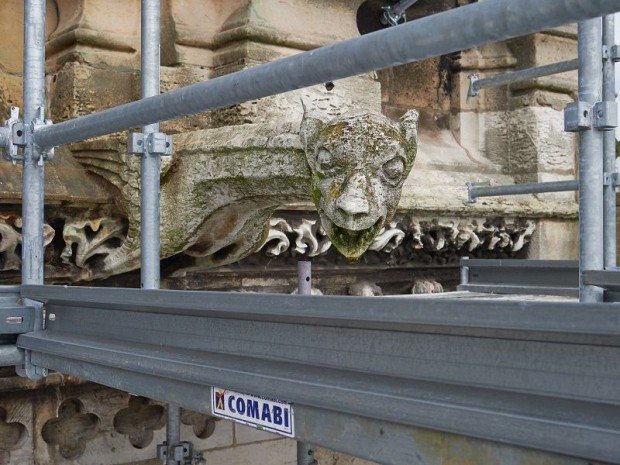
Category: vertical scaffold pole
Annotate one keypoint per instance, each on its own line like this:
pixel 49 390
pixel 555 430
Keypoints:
pixel 591 253
pixel 305 451
pixel 33 168
pixel 609 95
pixel 150 166
pixel 149 187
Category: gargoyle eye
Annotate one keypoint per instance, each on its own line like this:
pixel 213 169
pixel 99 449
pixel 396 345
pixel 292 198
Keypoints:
pixel 394 168
pixel 325 160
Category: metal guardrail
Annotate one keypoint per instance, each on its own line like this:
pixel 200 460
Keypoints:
pixel 476 83
pixel 475 190
pixel 536 374
pixel 15 319
pixel 533 277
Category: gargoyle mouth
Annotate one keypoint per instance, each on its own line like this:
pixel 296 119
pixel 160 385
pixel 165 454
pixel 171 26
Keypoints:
pixel 352 244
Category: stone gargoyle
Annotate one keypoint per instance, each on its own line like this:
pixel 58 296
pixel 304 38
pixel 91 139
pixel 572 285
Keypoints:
pixel 222 185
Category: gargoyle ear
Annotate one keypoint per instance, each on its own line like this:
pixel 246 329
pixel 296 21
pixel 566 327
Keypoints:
pixel 312 123
pixel 409 125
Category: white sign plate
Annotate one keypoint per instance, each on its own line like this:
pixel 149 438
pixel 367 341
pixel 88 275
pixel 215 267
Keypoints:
pixel 260 412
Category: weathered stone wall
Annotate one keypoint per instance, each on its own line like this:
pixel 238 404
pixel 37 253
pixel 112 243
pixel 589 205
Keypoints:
pixel 506 135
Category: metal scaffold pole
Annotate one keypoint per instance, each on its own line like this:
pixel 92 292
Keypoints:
pixel 305 451
pixel 150 166
pixel 33 167
pixel 150 188
pixel 590 51
pixel 609 137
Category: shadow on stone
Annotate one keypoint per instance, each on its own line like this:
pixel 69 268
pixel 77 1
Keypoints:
pixel 71 430
pixel 138 421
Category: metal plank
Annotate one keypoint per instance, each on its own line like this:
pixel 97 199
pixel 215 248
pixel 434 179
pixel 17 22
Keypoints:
pixel 529 320
pixel 585 429
pixel 532 373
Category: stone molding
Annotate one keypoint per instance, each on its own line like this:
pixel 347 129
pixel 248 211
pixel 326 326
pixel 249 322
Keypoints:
pixel 464 236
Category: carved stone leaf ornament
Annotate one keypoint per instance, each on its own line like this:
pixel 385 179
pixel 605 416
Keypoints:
pixel 11 239
pixel 91 237
pixel 460 236
pixel 388 239
pixel 311 239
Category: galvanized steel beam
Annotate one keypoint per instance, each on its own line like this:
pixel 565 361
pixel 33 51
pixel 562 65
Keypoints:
pixel 537 374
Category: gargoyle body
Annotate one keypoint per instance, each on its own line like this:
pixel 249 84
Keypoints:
pixel 222 185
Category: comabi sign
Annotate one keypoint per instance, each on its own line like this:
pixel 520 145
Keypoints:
pixel 260 412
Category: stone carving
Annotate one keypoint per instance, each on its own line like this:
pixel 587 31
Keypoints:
pixel 85 239
pixel 71 430
pixel 460 236
pixel 11 239
pixel 426 286
pixel 358 165
pixel 388 239
pixel 12 435
pixel 311 238
pixel 138 421
pixel 365 289
pixel 229 181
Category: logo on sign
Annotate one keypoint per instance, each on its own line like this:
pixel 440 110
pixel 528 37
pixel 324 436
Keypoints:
pixel 259 412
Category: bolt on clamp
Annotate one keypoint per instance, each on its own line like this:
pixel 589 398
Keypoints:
pixel 182 453
pixel 611 53
pixel 472 92
pixel 389 18
pixel 582 116
pixel 10 150
pixel 155 143
pixel 40 121
pixel 16 133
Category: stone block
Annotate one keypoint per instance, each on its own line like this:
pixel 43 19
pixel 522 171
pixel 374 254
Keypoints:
pixel 279 452
pixel 79 89
pixel 555 240
pixel 95 32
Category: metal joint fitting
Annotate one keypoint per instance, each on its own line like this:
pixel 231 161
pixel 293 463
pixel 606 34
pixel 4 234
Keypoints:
pixel 614 53
pixel 577 117
pixel 182 453
pixel 470 197
pixel 472 92
pixel 389 18
pixel 605 116
pixel 13 131
pixel 156 143
pixel 39 122
pixel 611 179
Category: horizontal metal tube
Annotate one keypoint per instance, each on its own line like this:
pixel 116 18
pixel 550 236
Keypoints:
pixel 523 75
pixel 10 355
pixel 474 191
pixel 461 28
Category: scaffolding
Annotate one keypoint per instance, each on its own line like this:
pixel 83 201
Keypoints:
pixel 358 372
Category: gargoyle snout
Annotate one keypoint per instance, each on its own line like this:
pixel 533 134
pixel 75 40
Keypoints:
pixel 353 199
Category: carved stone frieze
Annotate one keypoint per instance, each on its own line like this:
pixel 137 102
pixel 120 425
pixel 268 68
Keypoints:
pixel 85 239
pixel 11 240
pixel 433 238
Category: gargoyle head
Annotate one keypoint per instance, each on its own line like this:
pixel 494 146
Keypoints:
pixel 358 166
